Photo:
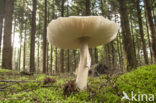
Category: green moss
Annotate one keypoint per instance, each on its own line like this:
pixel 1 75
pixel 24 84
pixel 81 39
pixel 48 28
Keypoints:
pixel 101 89
pixel 5 71
pixel 140 81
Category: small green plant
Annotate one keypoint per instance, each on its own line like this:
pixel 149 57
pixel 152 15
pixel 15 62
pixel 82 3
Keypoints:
pixel 102 89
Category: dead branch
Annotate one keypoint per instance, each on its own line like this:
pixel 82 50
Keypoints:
pixel 4 89
pixel 22 81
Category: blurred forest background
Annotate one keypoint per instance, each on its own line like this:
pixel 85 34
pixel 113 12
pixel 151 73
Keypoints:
pixel 23 34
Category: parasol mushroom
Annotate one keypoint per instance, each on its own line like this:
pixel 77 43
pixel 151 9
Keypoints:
pixel 81 32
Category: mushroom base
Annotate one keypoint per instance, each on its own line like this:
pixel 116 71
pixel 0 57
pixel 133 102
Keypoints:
pixel 84 66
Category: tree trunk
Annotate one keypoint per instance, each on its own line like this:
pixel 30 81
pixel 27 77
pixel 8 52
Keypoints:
pixel 7 47
pixel 21 39
pixel 47 58
pixel 151 27
pixel 138 49
pixel 127 39
pixel 38 56
pixel 118 50
pixel 62 50
pixel 56 69
pixel 122 53
pixel 62 60
pixel 51 60
pixel 68 64
pixel 88 7
pixel 113 54
pixel 107 55
pixel 132 35
pixel 20 50
pixel 74 54
pixel 33 31
pixel 154 11
pixel 14 59
pixel 101 7
pixel 96 55
pixel 45 39
pixel 14 48
pixel 38 46
pixel 2 8
pixel 67 8
pixel 51 51
pixel 141 31
pixel 149 42
pixel 154 18
pixel 24 50
pixel 19 54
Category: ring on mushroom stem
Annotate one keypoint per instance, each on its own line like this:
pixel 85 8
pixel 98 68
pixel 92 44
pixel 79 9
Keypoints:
pixel 81 32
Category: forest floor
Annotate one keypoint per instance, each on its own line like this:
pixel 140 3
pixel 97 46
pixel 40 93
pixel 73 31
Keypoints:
pixel 39 88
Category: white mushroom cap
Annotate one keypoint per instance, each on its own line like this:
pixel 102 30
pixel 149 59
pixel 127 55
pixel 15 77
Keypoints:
pixel 67 32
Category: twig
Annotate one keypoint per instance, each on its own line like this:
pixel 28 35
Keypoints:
pixel 45 86
pixel 3 89
pixel 6 86
pixel 18 81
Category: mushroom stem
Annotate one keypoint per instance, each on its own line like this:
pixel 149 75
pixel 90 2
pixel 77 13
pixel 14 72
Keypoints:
pixel 84 66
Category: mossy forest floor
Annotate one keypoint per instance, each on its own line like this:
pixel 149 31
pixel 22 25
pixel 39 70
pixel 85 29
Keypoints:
pixel 38 88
